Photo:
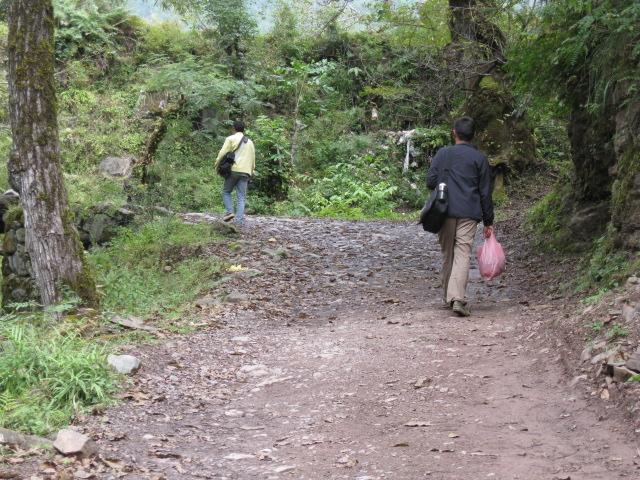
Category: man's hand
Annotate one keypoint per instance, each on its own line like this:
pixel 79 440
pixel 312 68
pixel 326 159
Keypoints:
pixel 488 231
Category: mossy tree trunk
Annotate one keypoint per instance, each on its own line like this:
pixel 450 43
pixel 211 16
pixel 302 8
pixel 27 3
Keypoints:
pixel 52 241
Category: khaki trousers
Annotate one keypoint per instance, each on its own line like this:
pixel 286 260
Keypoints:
pixel 456 240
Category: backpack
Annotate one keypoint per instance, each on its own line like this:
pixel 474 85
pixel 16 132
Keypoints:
pixel 227 162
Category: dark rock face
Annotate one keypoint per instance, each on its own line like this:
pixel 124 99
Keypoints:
pixel 589 221
pixel 100 224
pixel 625 198
pixel 592 153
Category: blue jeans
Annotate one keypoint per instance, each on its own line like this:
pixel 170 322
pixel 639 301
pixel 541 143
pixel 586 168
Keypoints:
pixel 240 182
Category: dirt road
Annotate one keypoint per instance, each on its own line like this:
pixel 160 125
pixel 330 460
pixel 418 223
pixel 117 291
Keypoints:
pixel 336 360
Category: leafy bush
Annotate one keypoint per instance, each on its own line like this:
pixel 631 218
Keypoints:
pixel 48 372
pixel 342 192
pixel 273 160
pixel 182 174
pixel 89 29
pixel 203 83
pixel 94 125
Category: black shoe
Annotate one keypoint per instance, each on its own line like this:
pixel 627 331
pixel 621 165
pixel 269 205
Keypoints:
pixel 461 309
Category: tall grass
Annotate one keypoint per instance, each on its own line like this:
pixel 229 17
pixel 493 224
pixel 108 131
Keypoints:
pixel 48 372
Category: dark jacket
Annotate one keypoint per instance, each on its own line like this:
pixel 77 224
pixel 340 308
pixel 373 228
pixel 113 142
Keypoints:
pixel 469 183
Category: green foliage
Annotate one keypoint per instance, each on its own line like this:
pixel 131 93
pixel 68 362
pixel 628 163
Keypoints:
pixel 604 269
pixel 203 84
pixel 94 125
pixel 581 48
pixel 153 270
pixel 274 157
pixel 596 327
pixel 343 192
pixel 547 220
pixel 231 20
pixel 168 42
pixel 182 174
pixel 617 331
pixel 89 29
pixel 48 372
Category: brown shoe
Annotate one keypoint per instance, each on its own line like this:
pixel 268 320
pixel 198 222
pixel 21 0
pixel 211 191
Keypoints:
pixel 461 309
pixel 228 217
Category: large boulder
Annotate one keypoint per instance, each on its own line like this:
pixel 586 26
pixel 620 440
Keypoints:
pixel 117 166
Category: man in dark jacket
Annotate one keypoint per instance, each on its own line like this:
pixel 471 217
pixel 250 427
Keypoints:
pixel 467 175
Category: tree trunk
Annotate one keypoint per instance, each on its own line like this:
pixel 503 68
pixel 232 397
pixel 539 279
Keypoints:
pixel 52 241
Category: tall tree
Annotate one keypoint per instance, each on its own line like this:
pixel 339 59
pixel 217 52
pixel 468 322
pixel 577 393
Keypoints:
pixel 52 240
pixel 233 22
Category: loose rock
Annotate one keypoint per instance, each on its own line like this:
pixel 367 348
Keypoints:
pixel 124 364
pixel 633 363
pixel 70 442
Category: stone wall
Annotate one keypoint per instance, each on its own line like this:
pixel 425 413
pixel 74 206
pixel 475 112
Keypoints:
pixel 18 284
pixel 96 226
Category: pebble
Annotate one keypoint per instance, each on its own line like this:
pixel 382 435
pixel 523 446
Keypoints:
pixel 234 413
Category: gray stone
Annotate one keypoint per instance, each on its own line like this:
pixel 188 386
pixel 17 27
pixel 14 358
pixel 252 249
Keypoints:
pixel 70 442
pixel 124 364
pixel 99 224
pixel 633 363
pixel 116 166
pixel 586 354
pixel 601 357
pixel 10 243
pixel 21 235
pixel 27 442
pixel 18 265
pixel 629 312
pixel 621 374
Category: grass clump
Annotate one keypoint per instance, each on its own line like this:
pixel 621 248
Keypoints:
pixel 48 373
pixel 547 221
pixel 605 269
pixel 156 269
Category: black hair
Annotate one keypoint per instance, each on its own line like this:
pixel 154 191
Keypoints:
pixel 238 126
pixel 465 128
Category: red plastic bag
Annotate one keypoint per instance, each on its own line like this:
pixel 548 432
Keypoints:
pixel 491 259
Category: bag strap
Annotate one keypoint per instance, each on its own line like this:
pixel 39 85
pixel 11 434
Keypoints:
pixel 243 140
pixel 447 166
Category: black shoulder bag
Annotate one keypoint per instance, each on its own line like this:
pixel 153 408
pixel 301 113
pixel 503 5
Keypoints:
pixel 226 164
pixel 435 210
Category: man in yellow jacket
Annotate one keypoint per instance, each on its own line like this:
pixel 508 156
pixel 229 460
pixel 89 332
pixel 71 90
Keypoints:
pixel 241 171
